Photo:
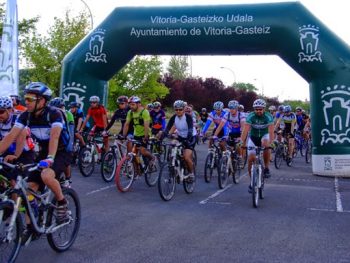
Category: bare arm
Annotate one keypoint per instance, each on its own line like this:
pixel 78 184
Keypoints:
pixel 84 123
pixel 54 138
pixel 20 141
pixel 9 138
pixel 146 126
pixel 222 123
pixel 126 128
pixel 246 129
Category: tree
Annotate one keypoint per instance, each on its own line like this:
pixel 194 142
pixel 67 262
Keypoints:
pixel 139 77
pixel 44 54
pixel 177 67
pixel 305 105
pixel 245 86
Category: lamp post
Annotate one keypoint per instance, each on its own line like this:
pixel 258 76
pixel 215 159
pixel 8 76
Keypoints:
pixel 233 73
pixel 91 17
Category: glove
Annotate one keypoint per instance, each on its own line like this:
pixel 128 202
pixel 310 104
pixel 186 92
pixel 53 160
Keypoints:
pixel 48 162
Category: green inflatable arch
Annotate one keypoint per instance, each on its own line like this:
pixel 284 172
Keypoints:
pixel 288 30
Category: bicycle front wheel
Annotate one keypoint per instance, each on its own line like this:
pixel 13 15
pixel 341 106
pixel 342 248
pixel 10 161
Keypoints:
pixel 236 173
pixel 125 173
pixel 10 243
pixel 86 162
pixel 223 172
pixel 255 189
pixel 208 167
pixel 152 172
pixel 278 157
pixel 308 152
pixel 108 166
pixel 63 238
pixel 166 182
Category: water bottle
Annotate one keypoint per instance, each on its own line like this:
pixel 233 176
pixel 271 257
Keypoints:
pixel 34 204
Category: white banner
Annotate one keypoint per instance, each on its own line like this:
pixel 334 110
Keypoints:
pixel 9 74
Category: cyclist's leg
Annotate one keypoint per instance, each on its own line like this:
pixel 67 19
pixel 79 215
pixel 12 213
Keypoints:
pixel 290 145
pixel 251 154
pixel 267 153
pixel 189 146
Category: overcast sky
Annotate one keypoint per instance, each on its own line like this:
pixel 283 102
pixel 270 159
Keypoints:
pixel 268 73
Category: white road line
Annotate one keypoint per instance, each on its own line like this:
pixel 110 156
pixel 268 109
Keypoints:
pixel 203 202
pixel 327 210
pixel 100 190
pixel 220 203
pixel 338 196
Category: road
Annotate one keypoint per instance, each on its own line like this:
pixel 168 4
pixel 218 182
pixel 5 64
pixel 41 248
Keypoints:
pixel 303 218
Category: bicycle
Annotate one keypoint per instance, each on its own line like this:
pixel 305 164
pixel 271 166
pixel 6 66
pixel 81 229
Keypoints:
pixel 155 146
pixel 174 171
pixel 132 166
pixel 90 155
pixel 229 166
pixel 111 158
pixel 257 179
pixel 212 159
pixel 300 144
pixel 281 153
pixel 308 151
pixel 14 203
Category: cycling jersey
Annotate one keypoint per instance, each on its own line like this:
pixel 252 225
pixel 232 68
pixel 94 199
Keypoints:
pixel 213 117
pixel 277 116
pixel 120 114
pixel 301 121
pixel 183 125
pixel 259 124
pixel 203 116
pixel 288 120
pixel 234 122
pixel 137 119
pixel 97 115
pixel 158 120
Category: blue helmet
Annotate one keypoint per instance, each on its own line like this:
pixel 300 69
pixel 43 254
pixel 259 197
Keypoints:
pixel 39 89
pixel 57 102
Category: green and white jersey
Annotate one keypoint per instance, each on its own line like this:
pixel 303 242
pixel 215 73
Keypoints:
pixel 259 124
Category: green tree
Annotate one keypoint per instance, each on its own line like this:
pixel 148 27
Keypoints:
pixel 178 66
pixel 139 77
pixel 245 86
pixel 305 105
pixel 44 53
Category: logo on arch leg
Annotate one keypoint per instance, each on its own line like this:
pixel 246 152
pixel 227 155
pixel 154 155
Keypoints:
pixel 309 44
pixel 336 111
pixel 74 92
pixel 96 43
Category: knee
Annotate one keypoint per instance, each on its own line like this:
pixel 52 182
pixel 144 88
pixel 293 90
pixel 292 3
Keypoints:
pixel 47 174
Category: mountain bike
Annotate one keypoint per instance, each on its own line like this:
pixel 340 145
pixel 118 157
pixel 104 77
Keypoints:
pixel 281 153
pixel 175 171
pixel 111 158
pixel 212 159
pixel 156 146
pixel 229 165
pixel 132 166
pixel 14 204
pixel 300 144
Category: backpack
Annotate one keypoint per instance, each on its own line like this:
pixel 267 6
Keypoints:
pixel 140 119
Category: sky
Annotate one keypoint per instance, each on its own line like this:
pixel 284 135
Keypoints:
pixel 270 74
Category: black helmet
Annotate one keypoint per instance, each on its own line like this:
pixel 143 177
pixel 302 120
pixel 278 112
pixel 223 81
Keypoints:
pixel 122 99
pixel 74 104
pixel 57 102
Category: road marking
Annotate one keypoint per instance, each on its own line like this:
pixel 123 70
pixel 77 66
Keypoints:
pixel 338 196
pixel 203 202
pixel 220 203
pixel 298 180
pixel 327 210
pixel 100 190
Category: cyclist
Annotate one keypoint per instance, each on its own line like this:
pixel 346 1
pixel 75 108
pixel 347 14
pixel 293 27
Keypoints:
pixel 78 116
pixel 272 110
pixel 49 130
pixel 258 131
pixel 150 107
pixel 120 114
pixel 217 116
pixel 289 120
pixel 189 110
pixel 17 104
pixel 99 115
pixel 302 119
pixel 183 124
pixel 241 110
pixel 157 118
pixel 140 119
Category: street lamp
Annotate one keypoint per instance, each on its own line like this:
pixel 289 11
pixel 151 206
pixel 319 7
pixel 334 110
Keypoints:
pixel 233 73
pixel 91 18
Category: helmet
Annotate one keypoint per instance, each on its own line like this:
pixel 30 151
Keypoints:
pixel 179 104
pixel 134 99
pixel 272 108
pixel 259 103
pixel 57 102
pixel 157 104
pixel 233 104
pixel 281 108
pixel 287 108
pixel 122 99
pixel 94 99
pixel 74 104
pixel 204 109
pixel 150 105
pixel 298 109
pixel 218 105
pixel 6 102
pixel 240 107
pixel 39 89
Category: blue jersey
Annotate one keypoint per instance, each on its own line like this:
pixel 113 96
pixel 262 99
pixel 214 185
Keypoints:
pixel 214 117
pixel 234 122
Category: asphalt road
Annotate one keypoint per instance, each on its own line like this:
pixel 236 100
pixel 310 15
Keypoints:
pixel 303 218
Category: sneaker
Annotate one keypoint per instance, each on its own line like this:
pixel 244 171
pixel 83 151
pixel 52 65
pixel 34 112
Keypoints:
pixel 267 173
pixel 62 215
pixel 250 189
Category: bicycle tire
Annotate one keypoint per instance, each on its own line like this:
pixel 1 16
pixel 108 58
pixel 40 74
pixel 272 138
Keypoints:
pixel 245 158
pixel 62 233
pixel 166 182
pixel 255 194
pixel 9 250
pixel 236 173
pixel 152 173
pixel 125 174
pixel 261 189
pixel 190 183
pixel 86 162
pixel 308 152
pixel 223 172
pixel 108 166
pixel 208 171
pixel 279 156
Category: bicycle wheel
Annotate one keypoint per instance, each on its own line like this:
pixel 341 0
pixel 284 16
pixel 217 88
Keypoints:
pixel 63 238
pixel 223 172
pixel 308 152
pixel 236 173
pixel 86 162
pixel 166 182
pixel 255 189
pixel 125 174
pixel 279 156
pixel 244 157
pixel 208 169
pixel 189 183
pixel 302 147
pixel 9 248
pixel 261 188
pixel 108 166
pixel 296 148
pixel 194 157
pixel 152 172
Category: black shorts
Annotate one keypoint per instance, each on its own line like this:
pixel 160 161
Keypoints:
pixel 221 133
pixel 140 139
pixel 232 137
pixel 256 140
pixel 287 134
pixel 188 143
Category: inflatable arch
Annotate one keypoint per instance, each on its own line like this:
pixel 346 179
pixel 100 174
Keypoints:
pixel 288 30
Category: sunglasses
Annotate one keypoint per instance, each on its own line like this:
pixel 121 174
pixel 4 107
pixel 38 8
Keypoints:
pixel 2 111
pixel 179 109
pixel 258 109
pixel 30 98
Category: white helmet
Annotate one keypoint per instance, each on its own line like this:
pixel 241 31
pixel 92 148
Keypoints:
pixel 6 103
pixel 94 99
pixel 272 108
pixel 233 104
pixel 134 99
pixel 259 103
pixel 179 104
pixel 218 105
